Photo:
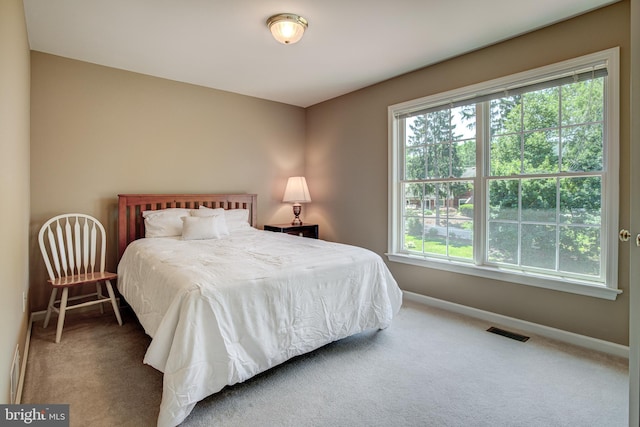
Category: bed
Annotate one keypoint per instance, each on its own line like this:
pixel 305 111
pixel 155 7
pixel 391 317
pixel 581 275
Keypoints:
pixel 224 301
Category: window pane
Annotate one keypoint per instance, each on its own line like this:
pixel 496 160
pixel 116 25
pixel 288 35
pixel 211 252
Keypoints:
pixel 582 102
pixel 503 199
pixel 582 148
pixel 541 152
pixel 506 155
pixel 434 202
pixel 461 237
pixel 414 167
pixel 539 246
pixel 414 131
pixel 413 229
pixel 464 159
pixel 413 225
pixel 435 226
pixel 539 200
pixel 461 194
pixel 412 203
pixel 580 200
pixel 464 122
pixel 505 115
pixel 438 160
pixel 503 243
pixel 461 221
pixel 436 126
pixel 541 109
pixel 580 250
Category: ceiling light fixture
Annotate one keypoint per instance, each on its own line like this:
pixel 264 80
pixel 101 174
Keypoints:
pixel 287 28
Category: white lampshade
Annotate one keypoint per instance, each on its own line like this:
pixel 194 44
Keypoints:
pixel 287 28
pixel 296 190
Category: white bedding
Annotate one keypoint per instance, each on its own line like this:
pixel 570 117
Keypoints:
pixel 222 311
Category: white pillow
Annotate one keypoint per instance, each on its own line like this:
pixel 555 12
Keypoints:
pixel 164 222
pixel 237 219
pixel 208 212
pixel 200 228
pixel 205 211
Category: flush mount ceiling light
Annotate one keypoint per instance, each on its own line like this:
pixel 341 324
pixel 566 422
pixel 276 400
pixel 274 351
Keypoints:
pixel 287 28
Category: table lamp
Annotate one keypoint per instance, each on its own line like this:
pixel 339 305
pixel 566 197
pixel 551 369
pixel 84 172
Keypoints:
pixel 297 192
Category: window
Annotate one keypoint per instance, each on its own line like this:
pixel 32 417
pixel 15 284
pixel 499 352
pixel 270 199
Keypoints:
pixel 514 179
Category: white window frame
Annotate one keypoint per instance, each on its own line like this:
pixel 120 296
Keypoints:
pixel 610 209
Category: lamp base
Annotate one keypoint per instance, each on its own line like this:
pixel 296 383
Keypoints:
pixel 297 208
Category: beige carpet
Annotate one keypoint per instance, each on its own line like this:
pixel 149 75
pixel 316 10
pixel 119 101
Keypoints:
pixel 430 368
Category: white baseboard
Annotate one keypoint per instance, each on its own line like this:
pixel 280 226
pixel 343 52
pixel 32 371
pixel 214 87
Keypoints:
pixel 38 316
pixel 522 325
pixel 25 357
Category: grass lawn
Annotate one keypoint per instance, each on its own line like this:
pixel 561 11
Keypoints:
pixel 439 247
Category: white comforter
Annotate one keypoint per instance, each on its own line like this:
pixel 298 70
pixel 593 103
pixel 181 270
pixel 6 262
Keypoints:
pixel 222 311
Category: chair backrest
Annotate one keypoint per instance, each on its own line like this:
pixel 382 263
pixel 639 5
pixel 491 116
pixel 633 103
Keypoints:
pixel 72 244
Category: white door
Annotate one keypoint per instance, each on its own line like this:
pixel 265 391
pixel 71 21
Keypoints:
pixel 634 197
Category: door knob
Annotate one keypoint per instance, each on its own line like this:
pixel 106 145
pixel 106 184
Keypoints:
pixel 624 236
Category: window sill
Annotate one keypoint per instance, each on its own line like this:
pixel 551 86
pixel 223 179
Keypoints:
pixel 529 279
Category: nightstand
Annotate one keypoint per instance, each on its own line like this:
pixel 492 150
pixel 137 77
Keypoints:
pixel 304 230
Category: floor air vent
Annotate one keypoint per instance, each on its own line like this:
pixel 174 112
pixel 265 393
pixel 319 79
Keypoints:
pixel 508 334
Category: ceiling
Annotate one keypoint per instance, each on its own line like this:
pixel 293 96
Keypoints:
pixel 225 44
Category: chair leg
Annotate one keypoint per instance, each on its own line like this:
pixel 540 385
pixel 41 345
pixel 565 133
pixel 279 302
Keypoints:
pixel 99 296
pixel 63 308
pixel 52 300
pixel 114 303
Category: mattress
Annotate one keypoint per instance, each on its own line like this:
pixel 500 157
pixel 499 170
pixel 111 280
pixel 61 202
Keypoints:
pixel 223 310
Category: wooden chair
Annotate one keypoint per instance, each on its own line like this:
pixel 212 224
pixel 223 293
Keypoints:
pixel 74 248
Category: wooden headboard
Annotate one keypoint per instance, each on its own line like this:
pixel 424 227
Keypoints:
pixel 131 206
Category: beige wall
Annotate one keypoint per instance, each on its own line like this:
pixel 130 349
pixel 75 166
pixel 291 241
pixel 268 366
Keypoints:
pixel 346 163
pixel 97 132
pixel 14 184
